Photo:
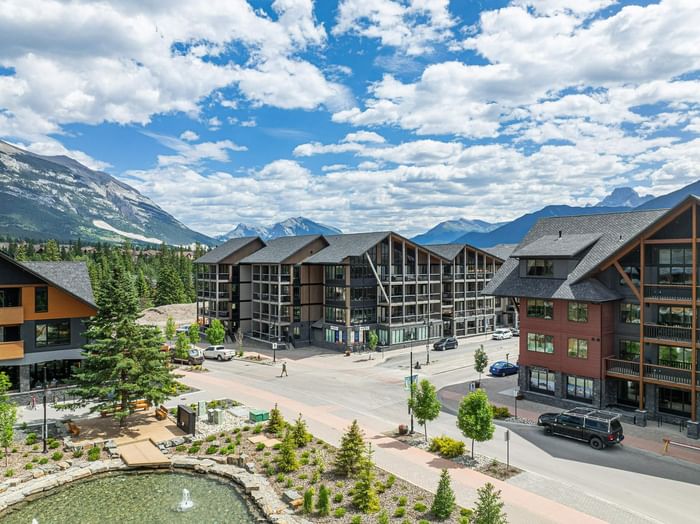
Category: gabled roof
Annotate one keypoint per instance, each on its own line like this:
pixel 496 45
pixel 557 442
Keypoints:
pixel 614 231
pixel 502 251
pixel 556 246
pixel 448 251
pixel 279 249
pixel 71 277
pixel 225 250
pixel 342 246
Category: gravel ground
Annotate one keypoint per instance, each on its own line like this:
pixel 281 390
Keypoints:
pixel 158 316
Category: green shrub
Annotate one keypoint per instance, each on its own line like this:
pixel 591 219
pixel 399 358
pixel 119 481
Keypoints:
pixel 57 455
pixel 210 438
pixel 338 498
pixel 53 443
pixel 403 501
pixel 259 446
pixel 339 513
pixel 315 477
pixel 420 507
pixel 43 460
pixel 423 521
pixel 258 429
pixel 280 477
pixel 277 446
pixel 94 453
pixel 180 448
pixel 400 512
pixel 500 412
pixel 193 450
pixel 212 449
pixel 288 483
pixel 246 428
pixel 308 506
pixel 9 472
pixel 389 482
pixel 28 465
pixel 303 476
pixel 383 518
pixel 447 446
pixel 356 520
pixel 31 439
pixel 465 512
pixel 77 453
pixel 323 504
pixel 35 460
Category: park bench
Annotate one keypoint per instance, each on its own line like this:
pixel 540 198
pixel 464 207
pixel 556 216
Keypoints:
pixel 161 413
pixel 136 405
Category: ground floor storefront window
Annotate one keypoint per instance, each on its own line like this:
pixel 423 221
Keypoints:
pixel 12 373
pixel 58 372
pixel 579 388
pixel 674 401
pixel 542 381
pixel 628 392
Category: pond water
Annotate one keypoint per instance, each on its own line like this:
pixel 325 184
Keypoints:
pixel 150 498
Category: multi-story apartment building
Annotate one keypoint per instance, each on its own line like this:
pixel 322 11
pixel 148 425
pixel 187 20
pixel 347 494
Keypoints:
pixel 43 306
pixel 332 290
pixel 608 310
pixel 223 290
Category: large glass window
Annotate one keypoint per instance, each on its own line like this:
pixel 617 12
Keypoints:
pixel 540 343
pixel 334 272
pixel 540 309
pixel 629 350
pixel 578 312
pixel 363 315
pixel 53 333
pixel 335 293
pixel 578 348
pixel 335 314
pixel 675 316
pixel 41 299
pixel 675 357
pixel 579 388
pixel 542 380
pixel 629 313
pixel 628 392
pixel 10 297
pixel 675 265
pixel 539 267
pixel 674 401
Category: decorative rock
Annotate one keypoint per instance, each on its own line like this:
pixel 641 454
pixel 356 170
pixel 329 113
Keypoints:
pixel 37 473
pixel 110 445
pixel 178 441
pixel 63 464
pixel 290 495
pixel 250 466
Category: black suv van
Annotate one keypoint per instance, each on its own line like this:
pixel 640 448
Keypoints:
pixel 599 428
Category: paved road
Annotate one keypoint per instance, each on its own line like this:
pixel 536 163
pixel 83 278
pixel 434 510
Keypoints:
pixel 343 388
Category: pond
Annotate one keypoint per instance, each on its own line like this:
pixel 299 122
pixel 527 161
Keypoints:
pixel 137 498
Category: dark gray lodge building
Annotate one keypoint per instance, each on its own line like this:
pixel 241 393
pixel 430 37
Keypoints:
pixel 331 290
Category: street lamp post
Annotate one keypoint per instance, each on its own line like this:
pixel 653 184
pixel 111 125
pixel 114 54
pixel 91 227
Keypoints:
pixel 45 429
pixel 427 341
pixel 410 379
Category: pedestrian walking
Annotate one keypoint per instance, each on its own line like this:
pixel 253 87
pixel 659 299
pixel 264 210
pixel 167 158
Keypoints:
pixel 284 370
pixel 33 402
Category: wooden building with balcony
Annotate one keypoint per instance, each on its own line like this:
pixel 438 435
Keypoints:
pixel 608 310
pixel 43 307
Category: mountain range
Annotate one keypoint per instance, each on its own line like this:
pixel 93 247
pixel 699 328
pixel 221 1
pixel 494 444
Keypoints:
pixel 44 197
pixel 291 226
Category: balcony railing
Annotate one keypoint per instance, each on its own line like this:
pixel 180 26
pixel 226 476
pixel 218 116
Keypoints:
pixel 672 333
pixel 667 374
pixel 668 292
pixel 11 315
pixel 622 367
pixel 11 350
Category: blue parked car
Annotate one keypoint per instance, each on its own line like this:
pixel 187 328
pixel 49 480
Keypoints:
pixel 503 368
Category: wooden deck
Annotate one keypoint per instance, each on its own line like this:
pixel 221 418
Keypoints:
pixel 142 453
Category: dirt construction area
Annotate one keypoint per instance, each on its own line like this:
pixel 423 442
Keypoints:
pixel 158 316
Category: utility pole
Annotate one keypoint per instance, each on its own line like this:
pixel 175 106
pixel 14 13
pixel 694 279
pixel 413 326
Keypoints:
pixel 427 341
pixel 45 428
pixel 410 380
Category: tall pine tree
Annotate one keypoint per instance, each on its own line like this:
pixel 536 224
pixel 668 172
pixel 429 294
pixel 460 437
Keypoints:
pixel 169 289
pixel 123 360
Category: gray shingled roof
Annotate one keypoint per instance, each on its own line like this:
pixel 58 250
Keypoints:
pixel 448 251
pixel 555 246
pixel 225 250
pixel 349 245
pixel 502 251
pixel 73 277
pixel 279 249
pixel 615 230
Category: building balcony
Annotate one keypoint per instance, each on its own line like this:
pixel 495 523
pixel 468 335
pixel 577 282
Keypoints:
pixel 221 277
pixel 671 293
pixel 657 373
pixel 667 333
pixel 11 350
pixel 11 316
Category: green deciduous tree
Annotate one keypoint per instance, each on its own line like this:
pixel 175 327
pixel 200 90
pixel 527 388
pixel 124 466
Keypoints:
pixel 489 506
pixel 182 346
pixel 348 458
pixel 365 496
pixel 21 253
pixel 475 417
pixel 276 422
pixel 372 340
pixel 481 360
pixel 170 329
pixel 123 360
pixel 424 403
pixel 193 333
pixel 8 416
pixel 287 458
pixel 444 501
pixel 215 333
pixel 299 432
pixel 52 252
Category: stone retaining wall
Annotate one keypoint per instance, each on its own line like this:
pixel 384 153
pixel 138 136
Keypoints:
pixel 257 487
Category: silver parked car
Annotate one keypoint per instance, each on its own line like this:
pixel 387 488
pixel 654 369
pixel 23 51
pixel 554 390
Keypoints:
pixel 219 353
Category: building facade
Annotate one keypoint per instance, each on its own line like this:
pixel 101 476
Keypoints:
pixel 43 307
pixel 608 310
pixel 332 290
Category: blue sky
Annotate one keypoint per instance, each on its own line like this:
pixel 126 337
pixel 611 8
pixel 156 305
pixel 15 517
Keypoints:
pixel 364 115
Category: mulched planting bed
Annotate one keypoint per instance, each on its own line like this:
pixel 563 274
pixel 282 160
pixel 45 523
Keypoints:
pixel 403 502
